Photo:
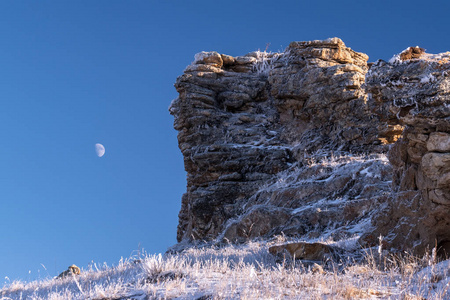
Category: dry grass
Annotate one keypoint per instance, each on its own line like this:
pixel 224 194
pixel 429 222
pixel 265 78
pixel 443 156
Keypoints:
pixel 247 272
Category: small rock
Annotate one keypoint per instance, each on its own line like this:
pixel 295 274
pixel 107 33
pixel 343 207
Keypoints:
pixel 303 251
pixel 228 59
pixel 243 60
pixel 210 58
pixel 71 271
pixel 411 53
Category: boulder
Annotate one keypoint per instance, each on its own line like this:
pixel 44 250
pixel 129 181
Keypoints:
pixel 303 251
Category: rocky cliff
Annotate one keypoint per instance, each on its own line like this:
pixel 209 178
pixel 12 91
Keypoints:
pixel 297 143
pixel 414 92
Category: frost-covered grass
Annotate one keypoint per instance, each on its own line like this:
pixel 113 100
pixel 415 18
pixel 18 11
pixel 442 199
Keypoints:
pixel 264 61
pixel 247 272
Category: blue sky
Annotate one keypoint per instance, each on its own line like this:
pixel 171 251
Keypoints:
pixel 77 73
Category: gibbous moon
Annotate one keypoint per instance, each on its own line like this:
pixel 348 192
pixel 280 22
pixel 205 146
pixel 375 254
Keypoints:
pixel 100 150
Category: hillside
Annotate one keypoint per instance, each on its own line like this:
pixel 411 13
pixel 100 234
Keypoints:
pixel 311 174
pixel 246 272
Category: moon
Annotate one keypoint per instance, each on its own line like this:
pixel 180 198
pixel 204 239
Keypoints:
pixel 100 150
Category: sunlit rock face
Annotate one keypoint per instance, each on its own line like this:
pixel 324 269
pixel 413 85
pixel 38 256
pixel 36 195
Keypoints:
pixel 415 93
pixel 294 143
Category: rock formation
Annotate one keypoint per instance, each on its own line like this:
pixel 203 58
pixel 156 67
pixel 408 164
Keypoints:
pixel 296 143
pixel 415 93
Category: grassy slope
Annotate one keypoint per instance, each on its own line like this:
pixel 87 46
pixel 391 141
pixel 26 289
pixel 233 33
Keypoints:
pixel 245 272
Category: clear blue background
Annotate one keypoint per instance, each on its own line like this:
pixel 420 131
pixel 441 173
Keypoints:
pixel 76 73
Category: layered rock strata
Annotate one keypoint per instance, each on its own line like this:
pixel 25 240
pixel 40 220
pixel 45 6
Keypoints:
pixel 294 143
pixel 271 143
pixel 414 91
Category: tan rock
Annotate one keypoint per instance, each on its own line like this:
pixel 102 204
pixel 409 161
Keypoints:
pixel 244 60
pixel 434 165
pixel 440 196
pixel 71 271
pixel 303 251
pixel 251 141
pixel 240 110
pixel 444 181
pixel 439 142
pixel 412 53
pixel 333 48
pixel 415 94
pixel 227 60
pixel 210 58
pixel 203 68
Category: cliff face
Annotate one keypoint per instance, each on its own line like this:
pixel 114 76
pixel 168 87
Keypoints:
pixel 295 142
pixel 415 92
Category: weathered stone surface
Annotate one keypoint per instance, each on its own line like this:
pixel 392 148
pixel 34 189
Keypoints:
pixel 411 53
pixel 244 120
pixel 439 142
pixel 257 222
pixel 72 270
pixel 316 87
pixel 210 58
pixel 295 143
pixel 434 165
pixel 332 194
pixel 414 87
pixel 304 251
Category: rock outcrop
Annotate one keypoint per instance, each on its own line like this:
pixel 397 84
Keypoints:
pixel 296 143
pixel 415 93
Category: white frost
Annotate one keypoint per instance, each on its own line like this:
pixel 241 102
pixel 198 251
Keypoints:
pixel 427 78
pixel 200 56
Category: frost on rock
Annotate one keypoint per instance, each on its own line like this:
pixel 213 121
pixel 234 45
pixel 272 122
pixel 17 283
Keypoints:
pixel 212 58
pixel 264 61
pixel 407 54
pixel 296 143
pixel 415 93
pixel 245 121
